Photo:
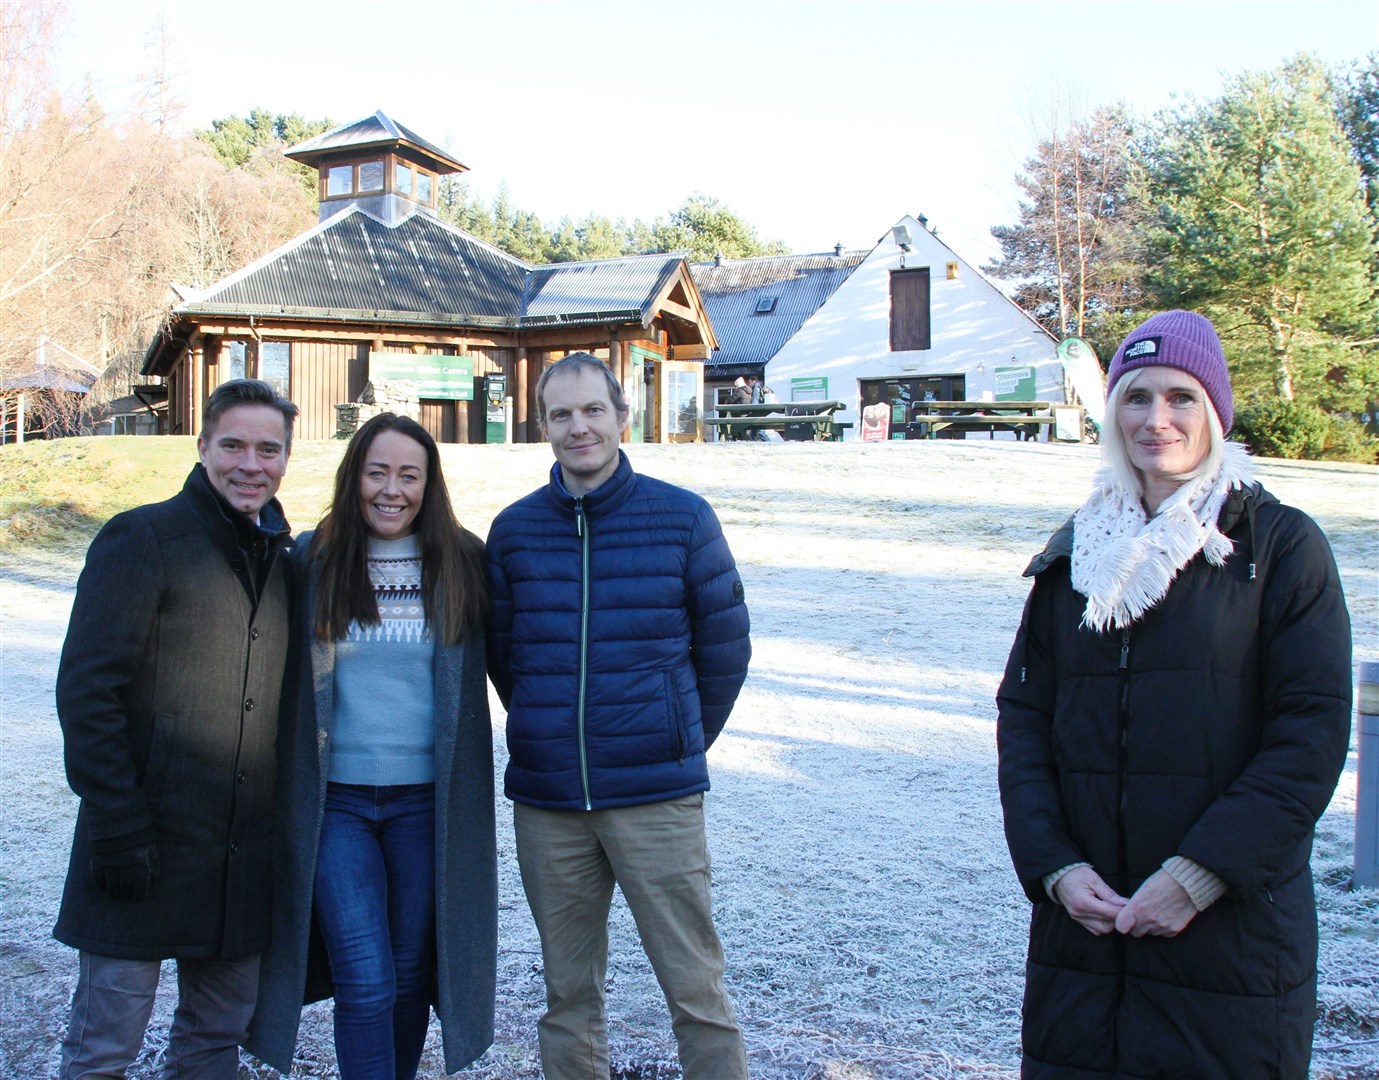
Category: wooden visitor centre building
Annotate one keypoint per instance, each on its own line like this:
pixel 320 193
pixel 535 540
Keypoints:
pixel 382 291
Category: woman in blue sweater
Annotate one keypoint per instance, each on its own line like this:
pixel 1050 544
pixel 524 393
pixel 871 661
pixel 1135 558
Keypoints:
pixel 386 853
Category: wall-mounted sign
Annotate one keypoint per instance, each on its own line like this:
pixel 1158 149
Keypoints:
pixel 812 388
pixel 1015 383
pixel 443 378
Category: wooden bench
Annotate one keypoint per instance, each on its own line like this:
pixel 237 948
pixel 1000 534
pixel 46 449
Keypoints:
pixel 821 425
pixel 1026 426
pixel 795 420
pixel 1025 418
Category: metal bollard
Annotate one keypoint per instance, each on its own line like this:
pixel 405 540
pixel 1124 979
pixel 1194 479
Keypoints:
pixel 1367 779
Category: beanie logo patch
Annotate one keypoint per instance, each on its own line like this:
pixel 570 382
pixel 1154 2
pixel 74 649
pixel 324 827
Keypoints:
pixel 1148 347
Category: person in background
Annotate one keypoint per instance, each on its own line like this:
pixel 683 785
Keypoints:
pixel 387 821
pixel 168 692
pixel 1172 722
pixel 618 644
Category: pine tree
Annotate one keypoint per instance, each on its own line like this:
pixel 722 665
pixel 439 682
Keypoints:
pixel 1261 224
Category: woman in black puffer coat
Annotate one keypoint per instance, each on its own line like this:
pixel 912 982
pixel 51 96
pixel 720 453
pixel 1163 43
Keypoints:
pixel 1173 719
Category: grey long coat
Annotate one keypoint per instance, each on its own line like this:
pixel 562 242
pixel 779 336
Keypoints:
pixel 168 697
pixel 466 851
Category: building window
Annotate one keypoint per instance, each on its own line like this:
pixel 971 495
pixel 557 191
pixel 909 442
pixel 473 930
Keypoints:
pixel 236 366
pixel 371 176
pixel 339 181
pixel 910 310
pixel 766 305
pixel 425 188
pixel 275 365
pixel 402 179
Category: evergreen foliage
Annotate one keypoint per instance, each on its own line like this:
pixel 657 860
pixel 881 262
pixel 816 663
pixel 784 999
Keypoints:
pixel 1257 208
pixel 701 227
pixel 255 143
pixel 1260 223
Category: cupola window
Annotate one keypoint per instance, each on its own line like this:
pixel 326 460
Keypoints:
pixel 370 176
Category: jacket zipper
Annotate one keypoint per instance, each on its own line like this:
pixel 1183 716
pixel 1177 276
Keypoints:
pixel 1122 755
pixel 582 527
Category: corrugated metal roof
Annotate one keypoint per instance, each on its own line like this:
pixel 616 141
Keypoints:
pixel 565 292
pixel 733 289
pixel 375 130
pixel 354 264
pixel 353 267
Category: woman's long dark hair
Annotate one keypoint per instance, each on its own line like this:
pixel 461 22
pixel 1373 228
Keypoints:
pixel 453 583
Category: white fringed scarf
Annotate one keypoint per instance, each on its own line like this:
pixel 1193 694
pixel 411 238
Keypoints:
pixel 1124 561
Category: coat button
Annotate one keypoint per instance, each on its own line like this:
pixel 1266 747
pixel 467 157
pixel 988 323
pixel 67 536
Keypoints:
pixel 234 847
pixel 249 705
pixel 254 634
pixel 241 776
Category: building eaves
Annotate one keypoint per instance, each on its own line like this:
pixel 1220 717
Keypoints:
pixel 378 130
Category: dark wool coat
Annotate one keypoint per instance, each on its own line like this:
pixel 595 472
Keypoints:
pixel 168 694
pixel 618 641
pixel 295 969
pixel 1215 728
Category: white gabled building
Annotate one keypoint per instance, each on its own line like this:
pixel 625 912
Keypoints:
pixel 916 321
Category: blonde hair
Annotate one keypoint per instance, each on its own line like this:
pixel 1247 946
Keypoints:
pixel 1117 457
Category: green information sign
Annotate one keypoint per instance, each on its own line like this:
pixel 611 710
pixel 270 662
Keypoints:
pixel 1015 383
pixel 811 388
pixel 440 378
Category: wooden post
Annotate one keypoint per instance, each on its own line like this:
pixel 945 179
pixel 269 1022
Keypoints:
pixel 519 398
pixel 538 363
pixel 19 419
pixel 617 361
pixel 196 360
pixel 462 421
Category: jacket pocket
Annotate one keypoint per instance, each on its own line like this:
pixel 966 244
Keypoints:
pixel 160 754
pixel 673 720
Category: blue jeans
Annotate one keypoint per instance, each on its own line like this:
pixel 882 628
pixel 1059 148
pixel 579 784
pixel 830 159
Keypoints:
pixel 375 902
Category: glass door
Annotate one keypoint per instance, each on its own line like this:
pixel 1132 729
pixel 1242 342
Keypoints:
pixel 680 396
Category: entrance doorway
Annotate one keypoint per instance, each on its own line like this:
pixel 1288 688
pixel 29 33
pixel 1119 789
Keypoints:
pixel 907 397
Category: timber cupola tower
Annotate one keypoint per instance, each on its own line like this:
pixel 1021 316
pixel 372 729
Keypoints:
pixel 379 166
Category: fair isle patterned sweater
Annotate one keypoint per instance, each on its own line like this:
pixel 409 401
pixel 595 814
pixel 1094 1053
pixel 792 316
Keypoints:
pixel 383 729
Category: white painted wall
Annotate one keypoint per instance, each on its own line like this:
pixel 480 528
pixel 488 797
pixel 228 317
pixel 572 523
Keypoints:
pixel 974 330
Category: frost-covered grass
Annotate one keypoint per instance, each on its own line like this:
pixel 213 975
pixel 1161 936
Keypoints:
pixel 872 926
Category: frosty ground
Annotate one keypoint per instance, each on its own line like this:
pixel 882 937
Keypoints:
pixel 872 926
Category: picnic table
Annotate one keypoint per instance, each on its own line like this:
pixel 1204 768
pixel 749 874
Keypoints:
pixel 797 421
pixel 1025 418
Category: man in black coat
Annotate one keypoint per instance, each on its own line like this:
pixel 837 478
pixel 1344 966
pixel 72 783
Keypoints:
pixel 168 694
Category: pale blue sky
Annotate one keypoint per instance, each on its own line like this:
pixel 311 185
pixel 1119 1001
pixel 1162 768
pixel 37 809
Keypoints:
pixel 816 121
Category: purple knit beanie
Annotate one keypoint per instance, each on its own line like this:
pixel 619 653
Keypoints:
pixel 1182 340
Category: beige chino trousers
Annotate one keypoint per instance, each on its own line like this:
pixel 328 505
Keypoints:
pixel 658 856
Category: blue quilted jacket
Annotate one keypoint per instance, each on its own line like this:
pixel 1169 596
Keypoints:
pixel 618 641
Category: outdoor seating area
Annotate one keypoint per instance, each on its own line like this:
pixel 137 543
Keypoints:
pixel 797 421
pixel 1025 418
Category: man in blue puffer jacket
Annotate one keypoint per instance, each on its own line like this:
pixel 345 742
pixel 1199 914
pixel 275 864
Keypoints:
pixel 618 644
